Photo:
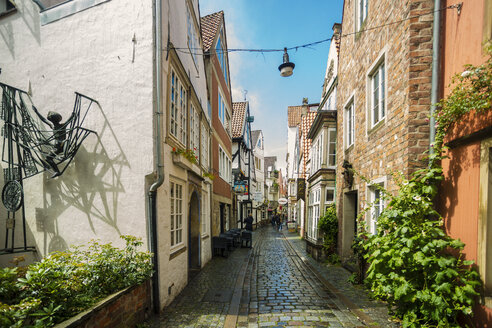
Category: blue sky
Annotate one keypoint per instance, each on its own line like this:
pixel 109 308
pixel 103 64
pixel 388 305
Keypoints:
pixel 266 24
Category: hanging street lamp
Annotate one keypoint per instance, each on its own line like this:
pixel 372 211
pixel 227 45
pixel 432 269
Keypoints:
pixel 286 68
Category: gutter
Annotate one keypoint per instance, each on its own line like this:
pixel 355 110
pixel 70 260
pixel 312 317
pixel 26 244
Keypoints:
pixel 435 71
pixel 152 194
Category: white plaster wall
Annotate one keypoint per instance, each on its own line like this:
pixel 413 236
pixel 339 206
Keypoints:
pixel 102 194
pixel 173 270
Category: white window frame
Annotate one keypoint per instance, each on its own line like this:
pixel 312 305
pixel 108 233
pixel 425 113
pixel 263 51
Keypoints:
pixel 327 202
pixel 222 109
pixel 225 166
pixel 194 130
pixel 204 146
pixel 334 143
pixel 176 213
pixel 178 108
pixel 191 37
pixel 313 213
pixel 361 10
pixel 222 56
pixel 205 212
pixel 376 87
pixel 377 206
pixel 349 122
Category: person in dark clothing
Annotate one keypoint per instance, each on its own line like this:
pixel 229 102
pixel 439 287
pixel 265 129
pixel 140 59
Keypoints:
pixel 249 222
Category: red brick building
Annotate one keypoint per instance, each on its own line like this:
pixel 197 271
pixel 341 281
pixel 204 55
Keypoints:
pixel 220 105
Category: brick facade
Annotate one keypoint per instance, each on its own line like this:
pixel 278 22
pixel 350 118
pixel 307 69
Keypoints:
pixel 398 141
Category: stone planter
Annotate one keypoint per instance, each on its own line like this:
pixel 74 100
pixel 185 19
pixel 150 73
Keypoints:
pixel 123 309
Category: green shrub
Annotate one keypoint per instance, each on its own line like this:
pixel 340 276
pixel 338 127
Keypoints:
pixel 328 225
pixel 65 283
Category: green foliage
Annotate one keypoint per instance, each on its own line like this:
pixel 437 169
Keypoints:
pixel 328 225
pixel 189 154
pixel 413 264
pixel 65 283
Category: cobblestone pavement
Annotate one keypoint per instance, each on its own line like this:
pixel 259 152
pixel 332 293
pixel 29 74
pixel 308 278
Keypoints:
pixel 274 284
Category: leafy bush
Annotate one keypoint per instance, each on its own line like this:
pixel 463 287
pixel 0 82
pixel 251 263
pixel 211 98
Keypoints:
pixel 65 283
pixel 413 264
pixel 328 225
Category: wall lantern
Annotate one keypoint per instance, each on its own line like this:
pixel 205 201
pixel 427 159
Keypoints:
pixel 348 174
pixel 287 67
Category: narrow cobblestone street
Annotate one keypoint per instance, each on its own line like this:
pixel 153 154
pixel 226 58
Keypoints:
pixel 274 284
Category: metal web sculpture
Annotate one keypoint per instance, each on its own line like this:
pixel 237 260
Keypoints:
pixel 33 144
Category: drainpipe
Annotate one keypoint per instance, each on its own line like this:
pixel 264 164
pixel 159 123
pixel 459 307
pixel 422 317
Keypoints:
pixel 152 210
pixel 435 70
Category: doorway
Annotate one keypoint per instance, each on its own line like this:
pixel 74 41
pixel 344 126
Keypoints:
pixel 349 223
pixel 194 235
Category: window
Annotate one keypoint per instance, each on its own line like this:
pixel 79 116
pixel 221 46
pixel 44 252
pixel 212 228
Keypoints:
pixel 178 108
pixel 317 153
pixel 225 166
pixel 192 39
pixel 330 195
pixel 259 144
pixel 257 163
pixel 222 109
pixel 222 56
pixel 332 147
pixel 194 130
pixel 377 206
pixel 361 13
pixel 377 96
pixel 349 124
pixel 205 212
pixel 6 6
pixel 313 214
pixel 176 214
pixel 204 146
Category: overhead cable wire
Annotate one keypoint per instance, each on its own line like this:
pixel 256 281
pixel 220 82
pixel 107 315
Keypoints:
pixel 188 50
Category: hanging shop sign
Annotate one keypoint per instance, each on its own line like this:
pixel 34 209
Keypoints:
pixel 301 189
pixel 241 187
pixel 283 201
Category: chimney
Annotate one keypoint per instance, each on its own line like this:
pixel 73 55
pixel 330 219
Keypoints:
pixel 304 106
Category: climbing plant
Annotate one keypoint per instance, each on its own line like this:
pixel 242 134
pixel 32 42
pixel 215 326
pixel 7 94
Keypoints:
pixel 412 263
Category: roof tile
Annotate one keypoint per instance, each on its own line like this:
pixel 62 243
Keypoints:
pixel 238 115
pixel 210 25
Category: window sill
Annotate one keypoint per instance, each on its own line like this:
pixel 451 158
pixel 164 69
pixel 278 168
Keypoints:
pixel 349 148
pixel 377 126
pixel 8 12
pixel 177 251
pixel 66 9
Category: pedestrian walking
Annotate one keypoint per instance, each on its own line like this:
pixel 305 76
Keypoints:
pixel 280 223
pixel 273 220
pixel 249 222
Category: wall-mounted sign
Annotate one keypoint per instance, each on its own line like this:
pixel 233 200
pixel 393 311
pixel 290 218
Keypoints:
pixel 301 189
pixel 283 201
pixel 258 196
